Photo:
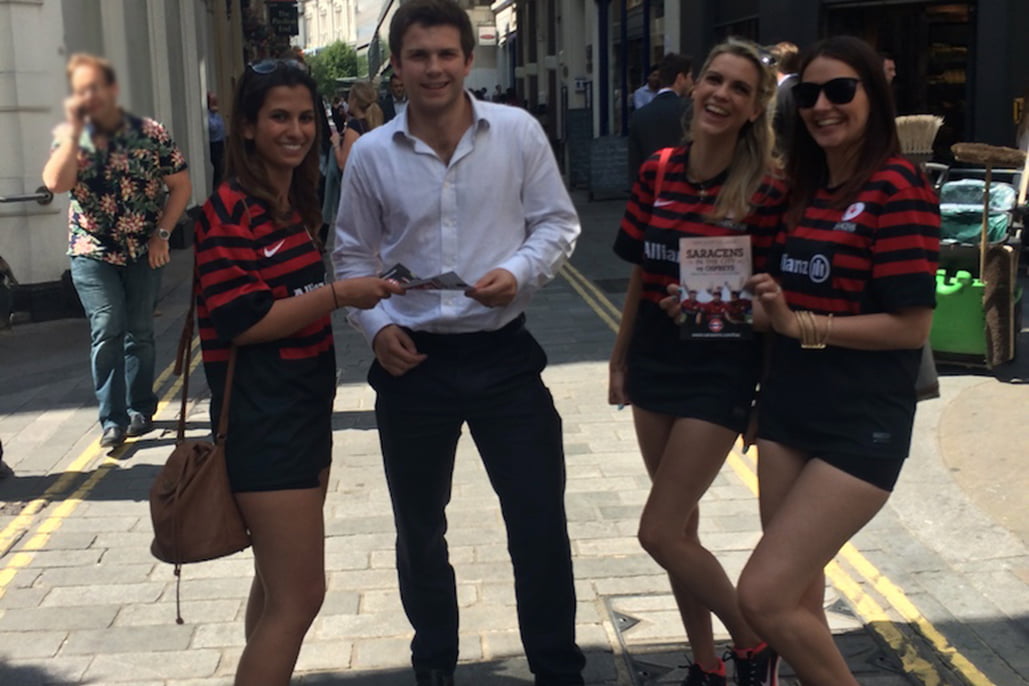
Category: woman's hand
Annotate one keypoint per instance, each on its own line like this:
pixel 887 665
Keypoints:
pixel 616 393
pixel 769 296
pixel 365 292
pixel 671 305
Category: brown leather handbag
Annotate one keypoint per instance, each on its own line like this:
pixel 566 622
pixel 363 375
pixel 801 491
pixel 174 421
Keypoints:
pixel 193 510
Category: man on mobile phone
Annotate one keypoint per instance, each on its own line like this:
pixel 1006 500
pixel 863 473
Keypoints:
pixel 129 186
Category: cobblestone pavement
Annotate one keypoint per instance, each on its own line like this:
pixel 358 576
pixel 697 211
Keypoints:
pixel 934 591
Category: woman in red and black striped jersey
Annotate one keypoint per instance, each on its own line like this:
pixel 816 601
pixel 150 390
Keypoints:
pixel 262 288
pixel 850 292
pixel 691 399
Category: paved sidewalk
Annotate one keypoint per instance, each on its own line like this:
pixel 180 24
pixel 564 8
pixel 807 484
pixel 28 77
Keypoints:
pixel 82 601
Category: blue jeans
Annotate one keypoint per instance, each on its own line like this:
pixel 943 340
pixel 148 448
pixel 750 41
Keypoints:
pixel 119 302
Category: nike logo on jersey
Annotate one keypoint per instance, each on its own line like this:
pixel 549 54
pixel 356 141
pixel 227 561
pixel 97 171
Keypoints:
pixel 663 203
pixel 271 250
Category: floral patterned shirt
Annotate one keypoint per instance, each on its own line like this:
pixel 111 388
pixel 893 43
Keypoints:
pixel 120 192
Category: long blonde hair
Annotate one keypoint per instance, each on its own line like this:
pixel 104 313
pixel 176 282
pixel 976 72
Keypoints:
pixel 753 156
pixel 365 97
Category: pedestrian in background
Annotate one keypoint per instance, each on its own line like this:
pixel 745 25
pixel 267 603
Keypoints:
pixel 470 186
pixel 365 115
pixel 662 122
pixel 117 167
pixel 849 292
pixel 691 399
pixel 261 288
pixel 216 139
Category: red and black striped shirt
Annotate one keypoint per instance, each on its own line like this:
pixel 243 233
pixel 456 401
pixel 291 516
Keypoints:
pixel 649 237
pixel 651 227
pixel 245 262
pixel 878 254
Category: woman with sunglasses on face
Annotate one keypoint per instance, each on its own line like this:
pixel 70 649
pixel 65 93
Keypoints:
pixel 850 292
pixel 262 289
pixel 692 399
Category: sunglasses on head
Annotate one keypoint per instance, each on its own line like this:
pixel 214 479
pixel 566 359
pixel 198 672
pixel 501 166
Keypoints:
pixel 838 91
pixel 272 65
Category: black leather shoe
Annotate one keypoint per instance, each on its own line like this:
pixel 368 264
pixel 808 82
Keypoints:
pixel 113 437
pixel 139 425
pixel 434 677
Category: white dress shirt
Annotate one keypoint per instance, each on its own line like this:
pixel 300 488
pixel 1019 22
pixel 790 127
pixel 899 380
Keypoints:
pixel 500 202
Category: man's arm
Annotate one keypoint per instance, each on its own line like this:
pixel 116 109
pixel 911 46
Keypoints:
pixel 551 223
pixel 179 190
pixel 62 169
pixel 358 235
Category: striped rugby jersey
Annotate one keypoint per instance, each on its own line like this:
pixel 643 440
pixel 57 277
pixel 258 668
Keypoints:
pixel 651 227
pixel 878 254
pixel 244 263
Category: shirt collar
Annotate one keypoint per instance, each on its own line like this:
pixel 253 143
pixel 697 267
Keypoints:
pixel 480 118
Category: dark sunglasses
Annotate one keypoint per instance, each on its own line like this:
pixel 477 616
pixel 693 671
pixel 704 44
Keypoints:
pixel 838 91
pixel 273 65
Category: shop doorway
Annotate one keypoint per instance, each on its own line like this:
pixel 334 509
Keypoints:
pixel 933 45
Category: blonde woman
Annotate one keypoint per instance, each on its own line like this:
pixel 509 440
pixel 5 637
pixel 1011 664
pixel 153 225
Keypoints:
pixel 691 399
pixel 365 115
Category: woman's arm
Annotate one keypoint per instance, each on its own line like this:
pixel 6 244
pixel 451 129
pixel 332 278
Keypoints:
pixel 289 315
pixel 343 151
pixel 906 329
pixel 616 394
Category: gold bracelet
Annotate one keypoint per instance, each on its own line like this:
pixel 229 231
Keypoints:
pixel 335 298
pixel 828 330
pixel 811 339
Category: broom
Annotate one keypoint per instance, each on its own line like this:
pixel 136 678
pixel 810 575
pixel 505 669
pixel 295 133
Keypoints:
pixel 917 133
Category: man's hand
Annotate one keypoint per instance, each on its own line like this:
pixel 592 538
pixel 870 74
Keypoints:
pixel 75 112
pixel 670 303
pixel 395 350
pixel 497 288
pixel 158 252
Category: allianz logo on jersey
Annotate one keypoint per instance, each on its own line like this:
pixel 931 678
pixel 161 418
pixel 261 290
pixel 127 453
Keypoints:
pixel 660 252
pixel 817 268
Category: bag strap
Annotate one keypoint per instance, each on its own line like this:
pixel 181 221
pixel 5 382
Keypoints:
pixel 182 363
pixel 662 164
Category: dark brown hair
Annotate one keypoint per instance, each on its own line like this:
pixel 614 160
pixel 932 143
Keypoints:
pixel 806 168
pixel 244 163
pixel 430 13
pixel 671 66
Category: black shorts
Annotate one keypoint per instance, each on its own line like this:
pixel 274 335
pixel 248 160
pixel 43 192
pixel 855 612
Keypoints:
pixel 866 435
pixel 277 450
pixel 713 392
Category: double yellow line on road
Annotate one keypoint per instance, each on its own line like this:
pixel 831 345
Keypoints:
pixel 21 525
pixel 867 607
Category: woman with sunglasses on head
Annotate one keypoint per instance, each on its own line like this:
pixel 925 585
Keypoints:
pixel 261 288
pixel 850 293
pixel 692 399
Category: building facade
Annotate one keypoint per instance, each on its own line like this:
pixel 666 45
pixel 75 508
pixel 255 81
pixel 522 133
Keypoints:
pixel 964 61
pixel 323 22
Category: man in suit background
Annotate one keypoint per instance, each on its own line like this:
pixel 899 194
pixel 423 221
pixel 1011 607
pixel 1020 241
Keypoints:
pixel 393 102
pixel 660 123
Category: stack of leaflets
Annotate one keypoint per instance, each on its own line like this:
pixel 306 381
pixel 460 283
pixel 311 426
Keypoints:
pixel 448 281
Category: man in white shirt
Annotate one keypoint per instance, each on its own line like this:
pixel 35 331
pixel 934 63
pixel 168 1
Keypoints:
pixel 472 187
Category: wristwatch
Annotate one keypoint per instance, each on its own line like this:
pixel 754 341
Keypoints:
pixel 163 234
